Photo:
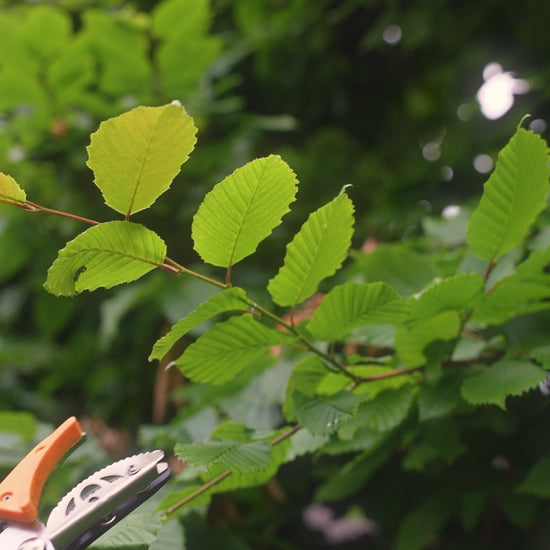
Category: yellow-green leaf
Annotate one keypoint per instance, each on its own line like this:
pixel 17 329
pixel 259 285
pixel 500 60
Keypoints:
pixel 10 191
pixel 135 156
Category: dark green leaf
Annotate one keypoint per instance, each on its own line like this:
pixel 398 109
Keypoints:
pixel 411 341
pixel 537 481
pixel 424 521
pixel 495 383
pixel 322 415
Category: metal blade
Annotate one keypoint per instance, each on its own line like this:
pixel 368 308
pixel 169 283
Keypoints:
pixel 104 498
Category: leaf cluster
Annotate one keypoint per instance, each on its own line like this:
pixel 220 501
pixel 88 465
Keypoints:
pixel 363 367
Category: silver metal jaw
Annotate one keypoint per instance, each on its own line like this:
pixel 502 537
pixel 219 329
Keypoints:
pixel 102 499
pixel 24 536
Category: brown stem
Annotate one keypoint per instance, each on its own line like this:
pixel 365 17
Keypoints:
pixel 391 374
pixel 33 207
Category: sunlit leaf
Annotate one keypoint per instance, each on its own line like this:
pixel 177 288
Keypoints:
pixel 10 192
pixel 242 210
pixel 495 383
pixel 352 305
pixel 316 252
pixel 227 348
pixel 136 155
pixel 512 197
pixel 105 255
pixel 322 415
pixel 231 299
pixel 230 455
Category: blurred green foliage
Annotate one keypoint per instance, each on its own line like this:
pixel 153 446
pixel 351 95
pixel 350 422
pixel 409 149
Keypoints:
pixel 315 82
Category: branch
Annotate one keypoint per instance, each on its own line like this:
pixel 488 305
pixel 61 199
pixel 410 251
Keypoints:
pixel 169 265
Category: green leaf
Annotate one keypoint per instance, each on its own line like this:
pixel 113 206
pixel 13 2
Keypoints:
pixel 231 299
pixel 424 521
pixel 441 441
pixel 509 299
pixel 439 399
pixel 541 355
pixel 411 341
pixel 227 348
pixel 230 455
pixel 10 192
pixel 136 155
pixel 304 442
pixel 20 423
pixel 306 376
pixel 455 293
pixel 352 305
pixel 397 265
pixel 354 475
pixel 316 252
pixel 251 479
pixel 537 481
pixel 170 537
pixel 47 31
pixel 382 413
pixel 105 255
pixel 135 530
pixel 512 197
pixel 322 415
pixel 242 210
pixel 495 383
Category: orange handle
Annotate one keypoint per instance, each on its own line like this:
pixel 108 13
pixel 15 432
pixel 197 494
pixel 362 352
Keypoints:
pixel 21 490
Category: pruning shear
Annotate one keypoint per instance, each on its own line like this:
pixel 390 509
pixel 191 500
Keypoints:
pixel 85 512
